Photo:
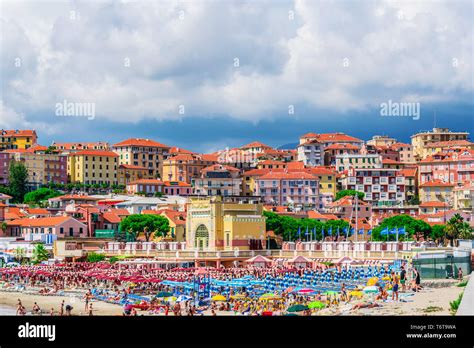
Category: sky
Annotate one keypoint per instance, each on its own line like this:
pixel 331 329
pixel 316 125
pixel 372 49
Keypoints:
pixel 204 75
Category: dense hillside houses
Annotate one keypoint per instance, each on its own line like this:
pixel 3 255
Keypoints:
pixel 95 186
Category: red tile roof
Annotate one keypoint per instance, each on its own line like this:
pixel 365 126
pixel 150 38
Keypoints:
pixel 17 133
pixel 313 214
pixel 338 146
pixel 219 167
pixel 111 217
pixel 436 183
pixel 140 142
pixel 255 144
pixel 287 175
pixel 37 211
pixel 407 172
pixel 176 183
pixel 41 222
pixel 176 150
pixel 433 204
pixel 450 143
pixel 146 182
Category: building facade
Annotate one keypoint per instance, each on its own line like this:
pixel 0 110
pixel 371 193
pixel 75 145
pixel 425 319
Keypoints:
pixel 213 224
pixel 218 180
pixel 92 167
pixel 17 139
pixel 144 153
pixel 421 140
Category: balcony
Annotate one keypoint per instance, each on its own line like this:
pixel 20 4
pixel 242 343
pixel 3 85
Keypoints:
pixel 368 180
pixel 384 180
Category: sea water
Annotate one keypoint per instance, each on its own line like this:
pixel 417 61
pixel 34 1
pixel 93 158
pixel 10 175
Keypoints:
pixel 5 310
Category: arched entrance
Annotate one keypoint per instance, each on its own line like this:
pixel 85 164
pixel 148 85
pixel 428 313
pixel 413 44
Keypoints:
pixel 201 238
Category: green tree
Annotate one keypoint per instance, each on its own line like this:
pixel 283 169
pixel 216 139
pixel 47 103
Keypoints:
pixel 3 227
pixel 40 253
pixel 17 178
pixel 413 227
pixel 95 257
pixel 147 224
pixel 352 193
pixel 19 254
pixel 40 195
pixel 438 232
pixel 456 228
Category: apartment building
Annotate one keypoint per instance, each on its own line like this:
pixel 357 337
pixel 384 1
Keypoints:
pixel 380 185
pixel 185 167
pixel 92 167
pixel 381 140
pixel 17 139
pixel 144 153
pixel 282 188
pixel 127 173
pixel 218 180
pixel 346 161
pixel 421 140
pixel 453 167
pixel 43 167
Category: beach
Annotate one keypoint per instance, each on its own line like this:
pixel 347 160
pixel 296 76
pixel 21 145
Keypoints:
pixel 8 301
pixel 429 301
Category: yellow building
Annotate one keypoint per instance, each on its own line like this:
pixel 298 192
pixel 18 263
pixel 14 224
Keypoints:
pixel 327 179
pixel 127 173
pixel 213 224
pixel 93 167
pixel 446 146
pixel 17 139
pixel 437 191
pixel 186 166
pixel 464 197
pixel 381 140
pixel 422 140
pixel 144 153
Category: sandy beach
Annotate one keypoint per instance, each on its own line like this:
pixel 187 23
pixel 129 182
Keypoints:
pixel 429 301
pixel 9 299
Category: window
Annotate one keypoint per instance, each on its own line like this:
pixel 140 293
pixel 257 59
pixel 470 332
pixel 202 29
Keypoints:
pixel 61 230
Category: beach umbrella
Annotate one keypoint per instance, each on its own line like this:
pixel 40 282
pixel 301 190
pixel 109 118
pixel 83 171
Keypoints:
pixel 316 304
pixel 297 308
pixel 372 281
pixel 218 298
pixel 238 297
pixel 163 294
pixel 306 291
pixel 370 289
pixel 356 293
pixel 170 299
pixel 386 278
pixel 183 298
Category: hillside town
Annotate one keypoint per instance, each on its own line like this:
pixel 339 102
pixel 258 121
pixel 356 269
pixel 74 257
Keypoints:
pixel 220 201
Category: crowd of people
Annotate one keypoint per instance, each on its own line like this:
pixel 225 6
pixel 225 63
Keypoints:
pixel 118 283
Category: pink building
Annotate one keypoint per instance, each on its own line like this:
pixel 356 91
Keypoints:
pixel 61 226
pixel 452 167
pixel 147 186
pixel 178 188
pixel 282 188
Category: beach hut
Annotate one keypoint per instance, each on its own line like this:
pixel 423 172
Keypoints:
pixel 300 262
pixel 346 260
pixel 259 261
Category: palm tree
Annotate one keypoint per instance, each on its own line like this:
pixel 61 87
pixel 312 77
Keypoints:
pixel 40 253
pixel 456 228
pixel 20 254
pixel 3 227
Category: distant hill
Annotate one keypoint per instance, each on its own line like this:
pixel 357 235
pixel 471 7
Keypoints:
pixel 290 146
